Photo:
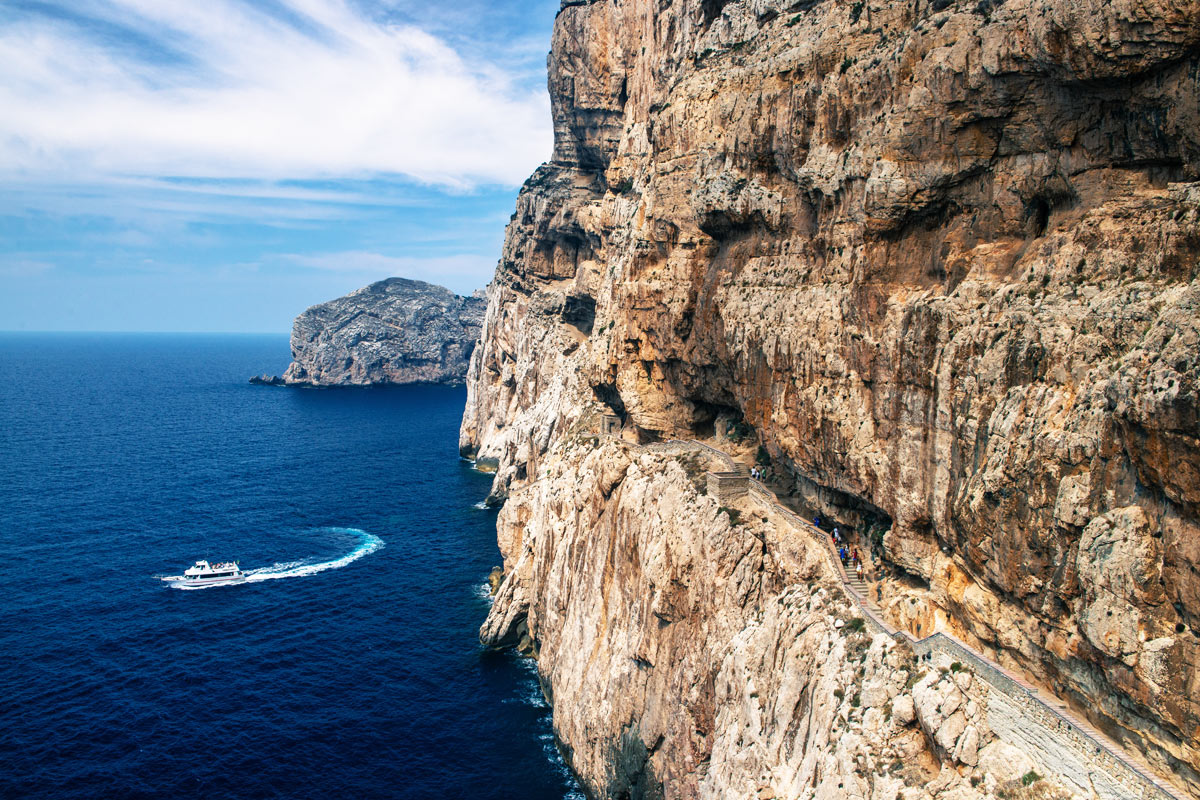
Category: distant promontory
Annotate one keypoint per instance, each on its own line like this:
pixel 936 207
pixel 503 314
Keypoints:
pixel 391 332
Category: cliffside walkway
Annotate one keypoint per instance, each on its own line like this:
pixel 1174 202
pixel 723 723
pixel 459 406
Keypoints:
pixel 1142 782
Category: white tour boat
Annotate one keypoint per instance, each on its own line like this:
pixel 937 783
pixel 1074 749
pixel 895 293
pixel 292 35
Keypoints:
pixel 206 574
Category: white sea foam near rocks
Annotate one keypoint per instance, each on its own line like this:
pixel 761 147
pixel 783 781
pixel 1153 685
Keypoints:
pixel 483 593
pixel 535 698
pixel 532 694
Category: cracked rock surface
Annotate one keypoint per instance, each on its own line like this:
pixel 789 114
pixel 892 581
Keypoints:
pixel 941 261
pixel 393 331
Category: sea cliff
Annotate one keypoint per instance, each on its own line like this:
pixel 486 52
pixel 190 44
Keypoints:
pixel 393 331
pixel 935 265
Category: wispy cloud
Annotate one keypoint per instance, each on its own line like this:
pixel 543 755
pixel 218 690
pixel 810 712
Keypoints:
pixel 17 267
pixel 221 165
pixel 224 89
pixel 453 270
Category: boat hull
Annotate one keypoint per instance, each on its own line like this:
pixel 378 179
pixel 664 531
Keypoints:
pixel 199 582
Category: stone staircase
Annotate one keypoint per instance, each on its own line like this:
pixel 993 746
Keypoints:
pixel 1149 785
pixel 860 591
pixel 859 585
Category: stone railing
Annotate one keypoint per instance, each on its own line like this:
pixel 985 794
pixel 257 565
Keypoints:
pixel 1070 747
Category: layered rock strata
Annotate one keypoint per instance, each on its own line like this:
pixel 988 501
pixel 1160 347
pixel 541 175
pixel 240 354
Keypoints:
pixel 393 331
pixel 941 261
pixel 698 651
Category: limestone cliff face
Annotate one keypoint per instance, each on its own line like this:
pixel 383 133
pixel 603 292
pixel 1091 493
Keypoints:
pixel 943 258
pixel 691 652
pixel 393 331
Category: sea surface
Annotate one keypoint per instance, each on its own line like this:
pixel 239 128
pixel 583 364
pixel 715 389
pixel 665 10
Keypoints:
pixel 347 668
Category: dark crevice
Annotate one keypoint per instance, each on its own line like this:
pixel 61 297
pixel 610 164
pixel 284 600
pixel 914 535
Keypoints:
pixel 725 224
pixel 854 516
pixel 579 310
pixel 711 9
pixel 1039 216
pixel 607 394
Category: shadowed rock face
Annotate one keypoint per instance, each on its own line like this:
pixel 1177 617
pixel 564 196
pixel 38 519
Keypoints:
pixel 393 331
pixel 942 257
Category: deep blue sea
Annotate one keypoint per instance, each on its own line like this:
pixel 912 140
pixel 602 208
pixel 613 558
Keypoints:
pixel 349 668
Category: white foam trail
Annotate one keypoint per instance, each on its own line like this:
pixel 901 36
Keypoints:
pixel 368 543
pixel 481 505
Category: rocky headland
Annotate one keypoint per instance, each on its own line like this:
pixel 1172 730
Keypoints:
pixel 935 266
pixel 393 331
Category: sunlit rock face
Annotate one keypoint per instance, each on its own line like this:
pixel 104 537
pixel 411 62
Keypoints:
pixel 393 331
pixel 943 259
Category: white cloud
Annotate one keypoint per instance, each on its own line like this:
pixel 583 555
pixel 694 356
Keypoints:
pixel 270 191
pixel 220 89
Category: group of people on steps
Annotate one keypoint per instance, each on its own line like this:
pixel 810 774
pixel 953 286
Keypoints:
pixel 847 555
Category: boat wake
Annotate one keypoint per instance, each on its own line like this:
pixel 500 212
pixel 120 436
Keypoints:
pixel 367 543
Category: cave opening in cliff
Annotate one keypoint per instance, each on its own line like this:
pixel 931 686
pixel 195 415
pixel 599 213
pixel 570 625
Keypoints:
pixel 720 420
pixel 711 9
pixel 855 517
pixel 608 394
pixel 1039 213
pixel 579 311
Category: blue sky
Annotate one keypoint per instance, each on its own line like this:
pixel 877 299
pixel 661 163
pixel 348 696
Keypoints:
pixel 222 165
